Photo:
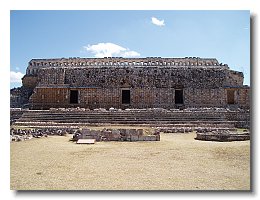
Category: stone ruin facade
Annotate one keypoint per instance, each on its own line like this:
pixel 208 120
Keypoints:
pixel 121 83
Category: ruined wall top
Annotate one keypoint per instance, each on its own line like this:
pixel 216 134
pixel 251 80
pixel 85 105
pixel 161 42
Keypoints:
pixel 139 77
pixel 188 71
pixel 119 61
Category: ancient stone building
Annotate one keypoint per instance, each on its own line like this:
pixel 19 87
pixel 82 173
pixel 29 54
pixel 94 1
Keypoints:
pixel 19 97
pixel 152 82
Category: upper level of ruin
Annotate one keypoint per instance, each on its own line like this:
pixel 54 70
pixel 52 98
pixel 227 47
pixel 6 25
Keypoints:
pixel 111 62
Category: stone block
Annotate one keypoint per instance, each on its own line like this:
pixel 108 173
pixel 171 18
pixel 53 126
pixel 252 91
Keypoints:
pixel 86 141
pixel 93 132
pixel 115 132
pixel 141 138
pixel 134 138
pixel 132 132
pixel 146 138
pixel 122 132
pixel 87 136
pixel 85 131
pixel 158 137
pixel 140 131
pixel 152 138
pixel 127 132
pixel 128 138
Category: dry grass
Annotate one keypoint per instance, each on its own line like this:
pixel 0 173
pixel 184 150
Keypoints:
pixel 177 162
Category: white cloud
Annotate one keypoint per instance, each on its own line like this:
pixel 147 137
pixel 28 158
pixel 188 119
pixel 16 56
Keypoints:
pixel 131 54
pixel 101 50
pixel 157 22
pixel 16 77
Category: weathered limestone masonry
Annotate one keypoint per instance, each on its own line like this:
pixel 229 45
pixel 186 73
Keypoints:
pixel 19 97
pixel 152 82
pixel 131 135
pixel 223 136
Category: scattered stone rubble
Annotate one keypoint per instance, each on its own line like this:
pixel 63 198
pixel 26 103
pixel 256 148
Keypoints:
pixel 17 135
pixel 111 109
pixel 130 135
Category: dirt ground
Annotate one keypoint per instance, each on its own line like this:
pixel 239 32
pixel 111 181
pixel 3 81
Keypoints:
pixel 177 162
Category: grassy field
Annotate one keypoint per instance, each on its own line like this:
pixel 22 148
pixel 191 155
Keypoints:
pixel 177 162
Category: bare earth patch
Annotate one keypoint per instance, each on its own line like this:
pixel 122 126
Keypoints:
pixel 177 162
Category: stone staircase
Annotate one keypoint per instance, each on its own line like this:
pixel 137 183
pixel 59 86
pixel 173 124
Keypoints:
pixel 15 114
pixel 182 118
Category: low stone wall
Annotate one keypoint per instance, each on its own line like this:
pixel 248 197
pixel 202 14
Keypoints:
pixel 175 129
pixel 130 135
pixel 210 129
pixel 223 136
pixel 200 129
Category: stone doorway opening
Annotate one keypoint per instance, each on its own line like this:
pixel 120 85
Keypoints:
pixel 125 96
pixel 231 96
pixel 178 96
pixel 74 96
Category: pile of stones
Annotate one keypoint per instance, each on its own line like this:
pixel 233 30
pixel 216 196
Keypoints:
pixel 112 109
pixel 18 138
pixel 17 135
pixel 130 135
pixel 77 109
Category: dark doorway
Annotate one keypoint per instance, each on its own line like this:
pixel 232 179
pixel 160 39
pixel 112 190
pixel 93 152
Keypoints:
pixel 178 96
pixel 125 96
pixel 230 96
pixel 74 96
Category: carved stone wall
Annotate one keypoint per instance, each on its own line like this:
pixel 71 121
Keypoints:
pixel 151 82
pixel 30 81
pixel 196 77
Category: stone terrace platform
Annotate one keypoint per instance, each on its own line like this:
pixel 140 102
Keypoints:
pixel 153 117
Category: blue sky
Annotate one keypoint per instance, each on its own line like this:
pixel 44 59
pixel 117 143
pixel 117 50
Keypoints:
pixel 224 35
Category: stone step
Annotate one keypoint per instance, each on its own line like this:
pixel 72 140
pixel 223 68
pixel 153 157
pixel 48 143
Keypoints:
pixel 116 116
pixel 115 119
pixel 120 117
pixel 127 122
pixel 136 117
